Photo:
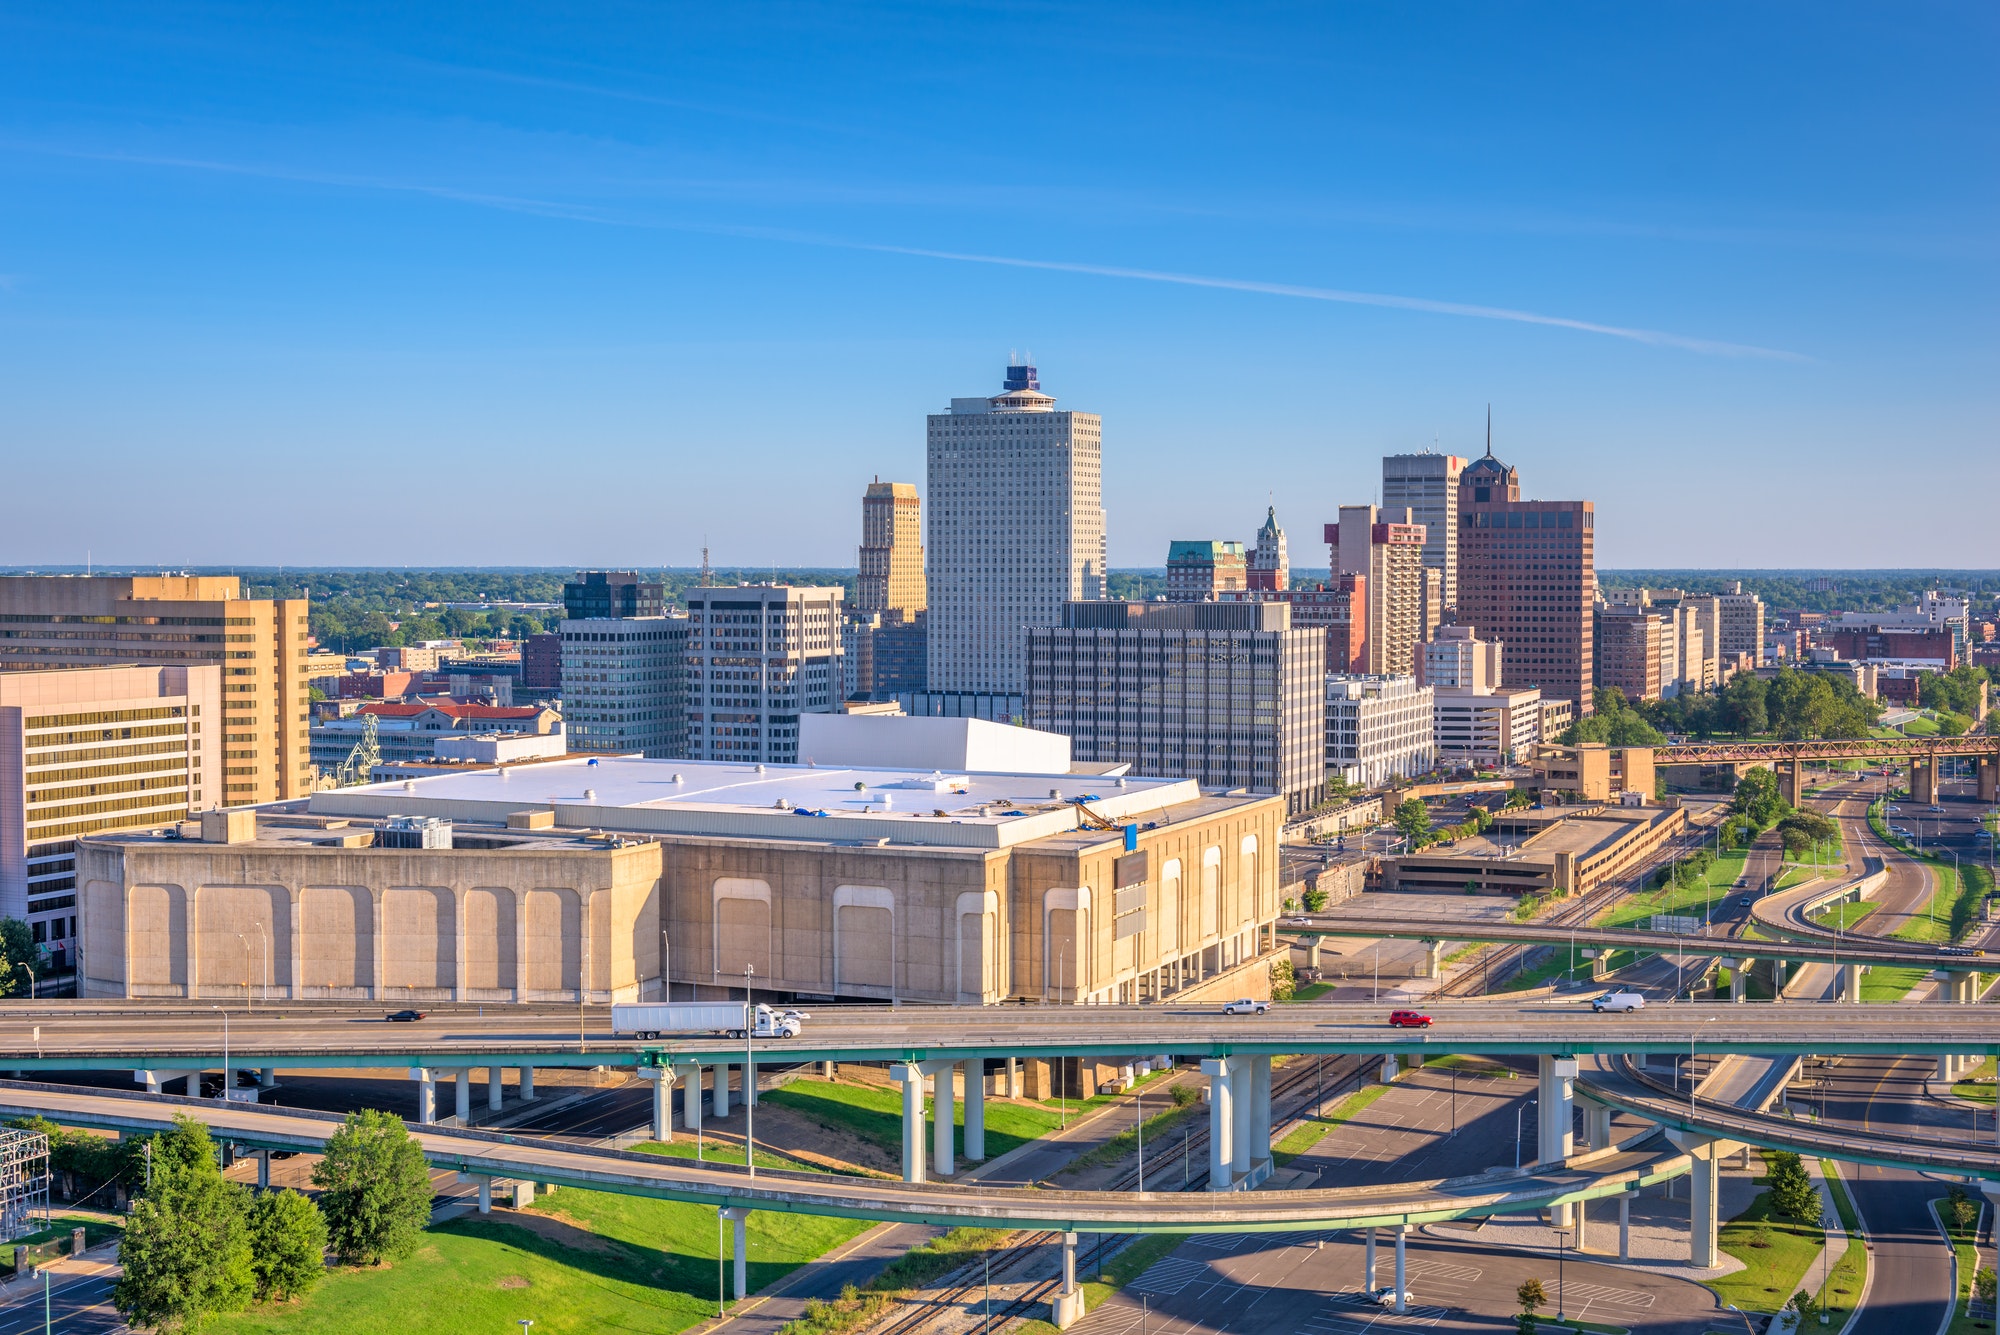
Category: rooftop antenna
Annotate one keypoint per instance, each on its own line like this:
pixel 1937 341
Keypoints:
pixel 1489 431
pixel 707 574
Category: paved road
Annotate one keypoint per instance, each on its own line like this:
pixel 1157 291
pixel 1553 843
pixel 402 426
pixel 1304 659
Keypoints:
pixel 82 1307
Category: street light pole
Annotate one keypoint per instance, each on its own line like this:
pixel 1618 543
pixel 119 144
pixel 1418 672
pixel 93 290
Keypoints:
pixel 750 1074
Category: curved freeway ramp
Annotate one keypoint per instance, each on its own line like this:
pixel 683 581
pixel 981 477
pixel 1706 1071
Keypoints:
pixel 1617 1083
pixel 947 1204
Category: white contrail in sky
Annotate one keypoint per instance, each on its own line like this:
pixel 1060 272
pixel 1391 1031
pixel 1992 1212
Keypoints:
pixel 576 213
pixel 1660 338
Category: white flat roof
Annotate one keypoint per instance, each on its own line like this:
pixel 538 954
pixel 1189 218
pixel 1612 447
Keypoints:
pixel 821 803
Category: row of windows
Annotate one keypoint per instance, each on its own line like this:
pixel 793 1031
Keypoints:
pixel 80 773
pixel 152 802
pixel 44 620
pixel 107 716
pixel 60 739
pixel 178 746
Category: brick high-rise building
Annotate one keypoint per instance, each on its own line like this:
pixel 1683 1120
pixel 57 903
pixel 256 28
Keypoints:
pixel 1387 550
pixel 1427 485
pixel 1205 572
pixel 891 581
pixel 54 621
pixel 1527 576
pixel 1339 607
pixel 1628 644
pixel 1016 529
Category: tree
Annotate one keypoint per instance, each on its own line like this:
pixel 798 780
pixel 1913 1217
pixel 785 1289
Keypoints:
pixel 186 1249
pixel 1757 798
pixel 1792 1191
pixel 1284 982
pixel 1315 899
pixel 1806 1306
pixel 288 1243
pixel 376 1189
pixel 1413 818
pixel 17 947
pixel 1517 798
pixel 1801 829
pixel 1985 1284
pixel 1743 705
pixel 1532 1295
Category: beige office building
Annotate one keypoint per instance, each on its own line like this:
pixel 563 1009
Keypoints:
pixel 613 876
pixel 90 750
pixel 54 621
pixel 891 582
pixel 1404 596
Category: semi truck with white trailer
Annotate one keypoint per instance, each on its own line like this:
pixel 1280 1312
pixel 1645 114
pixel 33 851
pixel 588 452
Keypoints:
pixel 665 1018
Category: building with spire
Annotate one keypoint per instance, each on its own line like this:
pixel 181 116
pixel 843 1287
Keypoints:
pixel 1527 576
pixel 1016 530
pixel 1271 561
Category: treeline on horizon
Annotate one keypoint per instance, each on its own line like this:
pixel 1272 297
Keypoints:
pixel 363 607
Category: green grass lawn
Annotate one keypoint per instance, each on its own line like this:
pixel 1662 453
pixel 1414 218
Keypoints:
pixel 713 1151
pixel 1968 1261
pixel 588 1262
pixel 1561 962
pixel 58 1231
pixel 1312 991
pixel 1844 915
pixel 1920 727
pixel 1972 1088
pixel 1771 1274
pixel 1634 910
pixel 1890 984
pixel 1312 1130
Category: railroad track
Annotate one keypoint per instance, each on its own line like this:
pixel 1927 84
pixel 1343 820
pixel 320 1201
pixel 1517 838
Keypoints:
pixel 1301 1085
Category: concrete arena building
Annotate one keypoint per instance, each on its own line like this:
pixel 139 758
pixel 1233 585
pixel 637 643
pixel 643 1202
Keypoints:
pixel 606 874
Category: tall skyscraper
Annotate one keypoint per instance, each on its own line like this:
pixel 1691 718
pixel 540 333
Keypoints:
pixel 1016 529
pixel 56 621
pixel 1527 576
pixel 1271 562
pixel 759 655
pixel 1426 484
pixel 1387 550
pixel 891 582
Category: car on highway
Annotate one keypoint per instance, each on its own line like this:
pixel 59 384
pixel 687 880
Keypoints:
pixel 404 1016
pixel 1619 1002
pixel 1409 1020
pixel 1245 1006
pixel 1387 1298
pixel 1937 811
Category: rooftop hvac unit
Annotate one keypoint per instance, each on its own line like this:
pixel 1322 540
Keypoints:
pixel 414 832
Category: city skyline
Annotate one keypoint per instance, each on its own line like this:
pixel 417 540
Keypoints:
pixel 293 251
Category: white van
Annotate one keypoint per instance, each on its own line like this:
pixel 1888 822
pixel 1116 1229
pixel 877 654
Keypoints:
pixel 1619 1001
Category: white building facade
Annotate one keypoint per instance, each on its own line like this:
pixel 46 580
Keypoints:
pixel 1379 728
pixel 1015 529
pixel 1427 485
pixel 758 656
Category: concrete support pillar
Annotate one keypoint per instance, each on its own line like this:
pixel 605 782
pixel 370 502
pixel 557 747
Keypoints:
pixel 1850 982
pixel 263 1170
pixel 911 1077
pixel 1778 969
pixel 1923 781
pixel 1597 1125
pixel 485 1194
pixel 462 1083
pixel 663 1103
pixel 1402 1269
pixel 738 1215
pixel 426 1094
pixel 268 1077
pixel 1739 981
pixel 194 1085
pixel 1791 780
pixel 1555 1136
pixel 496 1086
pixel 944 1115
pixel 1013 1078
pixel 1221 1122
pixel 524 1195
pixel 1625 1227
pixel 527 1084
pixel 1368 1264
pixel 721 1070
pixel 1242 1120
pixel 691 1097
pixel 1392 1067
pixel 1259 1118
pixel 975 1109
pixel 1986 773
pixel 1066 1308
pixel 1433 958
pixel 1705 1157
pixel 1581 1209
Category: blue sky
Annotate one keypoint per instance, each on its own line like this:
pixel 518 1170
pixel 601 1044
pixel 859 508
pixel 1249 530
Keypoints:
pixel 587 284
